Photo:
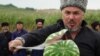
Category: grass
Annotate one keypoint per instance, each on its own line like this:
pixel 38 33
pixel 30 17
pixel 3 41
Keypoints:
pixel 13 15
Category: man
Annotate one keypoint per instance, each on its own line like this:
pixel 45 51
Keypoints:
pixel 5 38
pixel 96 26
pixel 19 32
pixel 39 23
pixel 73 12
pixel 39 49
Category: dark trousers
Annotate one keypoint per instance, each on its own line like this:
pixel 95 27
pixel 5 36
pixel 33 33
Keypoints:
pixel 37 52
pixel 20 53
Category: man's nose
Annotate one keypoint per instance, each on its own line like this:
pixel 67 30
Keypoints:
pixel 71 16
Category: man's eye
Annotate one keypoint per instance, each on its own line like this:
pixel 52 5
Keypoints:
pixel 67 12
pixel 76 13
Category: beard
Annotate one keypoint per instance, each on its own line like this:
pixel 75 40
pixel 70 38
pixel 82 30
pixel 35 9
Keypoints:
pixel 5 30
pixel 73 28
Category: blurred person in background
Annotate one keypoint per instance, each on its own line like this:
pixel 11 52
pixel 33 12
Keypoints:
pixel 38 51
pixel 5 38
pixel 96 26
pixel 39 23
pixel 19 32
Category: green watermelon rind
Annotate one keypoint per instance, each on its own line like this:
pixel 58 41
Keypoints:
pixel 59 49
pixel 62 47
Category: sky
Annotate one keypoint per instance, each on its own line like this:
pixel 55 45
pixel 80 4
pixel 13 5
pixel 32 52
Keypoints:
pixel 46 4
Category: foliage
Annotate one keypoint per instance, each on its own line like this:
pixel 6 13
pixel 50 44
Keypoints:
pixel 12 15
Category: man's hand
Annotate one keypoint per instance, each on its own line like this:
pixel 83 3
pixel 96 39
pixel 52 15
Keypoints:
pixel 13 44
pixel 54 39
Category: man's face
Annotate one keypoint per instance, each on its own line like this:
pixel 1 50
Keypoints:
pixel 5 28
pixel 98 27
pixel 19 26
pixel 39 25
pixel 72 17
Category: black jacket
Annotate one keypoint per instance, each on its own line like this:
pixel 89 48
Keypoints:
pixel 87 40
pixel 4 40
pixel 38 36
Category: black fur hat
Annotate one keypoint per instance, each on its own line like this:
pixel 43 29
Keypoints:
pixel 4 24
pixel 39 20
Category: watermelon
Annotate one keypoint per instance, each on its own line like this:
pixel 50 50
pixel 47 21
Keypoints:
pixel 60 47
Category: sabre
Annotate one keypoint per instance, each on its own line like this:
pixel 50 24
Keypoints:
pixel 21 47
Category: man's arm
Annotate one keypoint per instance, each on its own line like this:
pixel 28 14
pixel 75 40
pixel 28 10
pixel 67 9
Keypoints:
pixel 36 37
